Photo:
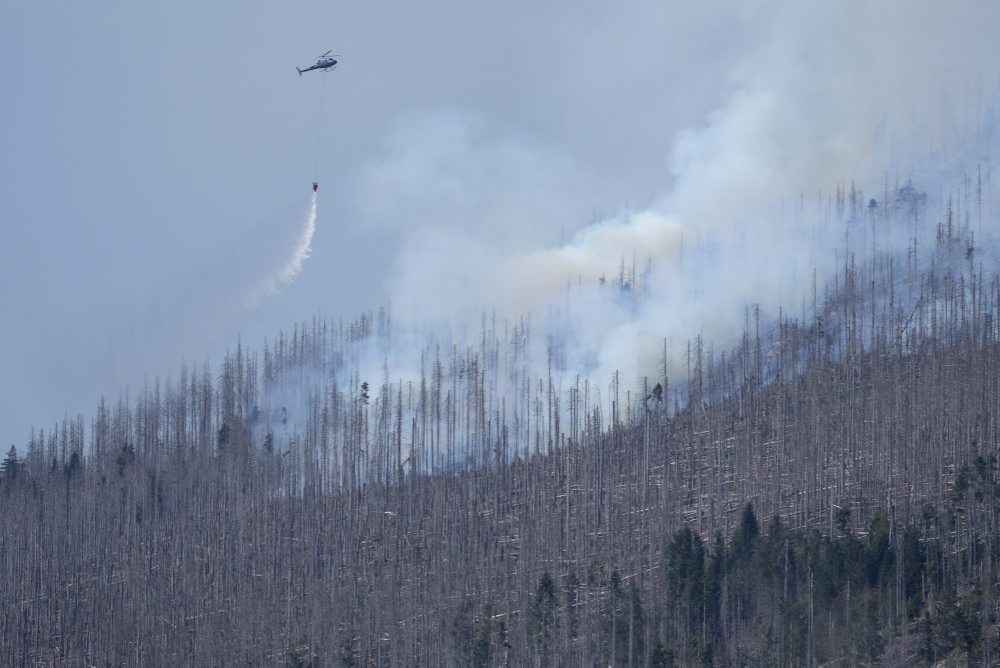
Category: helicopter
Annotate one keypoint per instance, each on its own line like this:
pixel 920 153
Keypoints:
pixel 324 62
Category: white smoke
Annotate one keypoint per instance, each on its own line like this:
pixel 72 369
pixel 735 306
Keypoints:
pixel 824 95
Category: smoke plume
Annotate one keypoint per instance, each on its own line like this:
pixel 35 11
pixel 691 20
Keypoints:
pixel 826 97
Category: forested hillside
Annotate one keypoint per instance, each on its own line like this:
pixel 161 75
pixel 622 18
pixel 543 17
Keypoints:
pixel 825 490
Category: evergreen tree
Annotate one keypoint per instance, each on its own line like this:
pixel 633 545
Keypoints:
pixel 571 594
pixel 914 560
pixel 463 634
pixel 482 649
pixel 543 618
pixel 10 466
pixel 879 559
pixel 615 634
pixel 745 536
pixel 636 628
pixel 685 574
pixel 662 656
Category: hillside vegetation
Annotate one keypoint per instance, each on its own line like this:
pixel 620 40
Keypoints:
pixel 824 491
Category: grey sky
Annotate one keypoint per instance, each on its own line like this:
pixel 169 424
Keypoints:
pixel 155 157
pixel 141 144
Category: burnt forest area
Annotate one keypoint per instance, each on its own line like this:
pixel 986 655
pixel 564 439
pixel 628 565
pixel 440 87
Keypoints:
pixel 822 492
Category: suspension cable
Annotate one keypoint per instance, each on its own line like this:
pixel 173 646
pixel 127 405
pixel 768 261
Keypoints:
pixel 319 126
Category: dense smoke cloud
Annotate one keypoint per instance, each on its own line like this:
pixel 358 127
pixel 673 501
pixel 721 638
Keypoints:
pixel 478 159
pixel 824 95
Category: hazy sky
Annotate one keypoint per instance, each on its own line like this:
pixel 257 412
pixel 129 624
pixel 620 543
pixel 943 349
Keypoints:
pixel 156 158
pixel 145 147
